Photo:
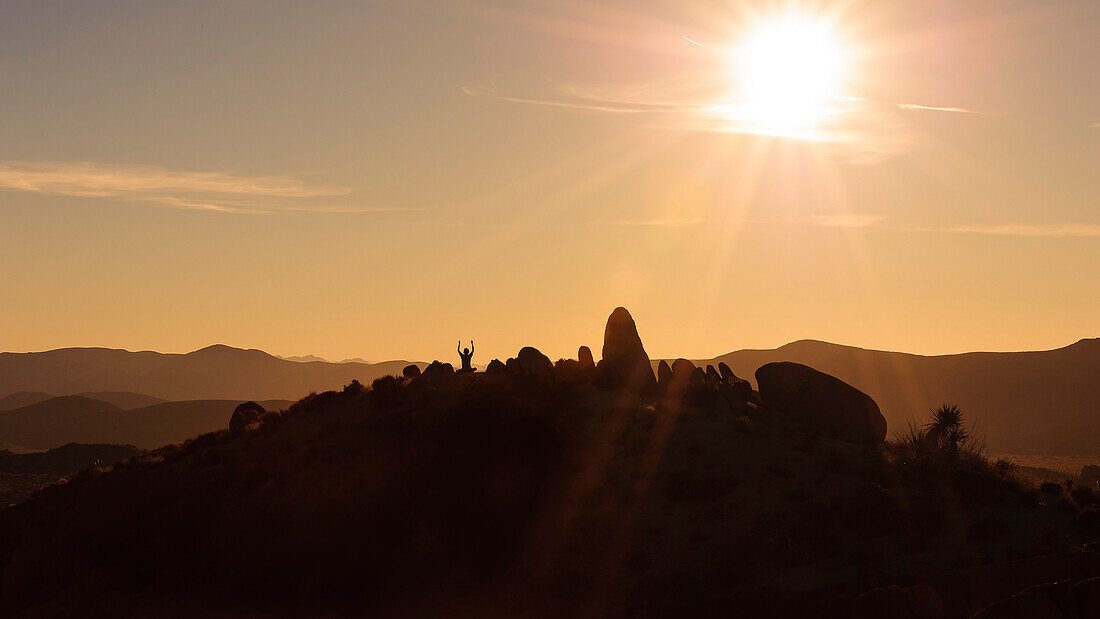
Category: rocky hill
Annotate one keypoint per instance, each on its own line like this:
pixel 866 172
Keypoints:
pixel 1043 402
pixel 547 489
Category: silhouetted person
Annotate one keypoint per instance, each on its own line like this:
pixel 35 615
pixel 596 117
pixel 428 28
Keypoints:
pixel 467 355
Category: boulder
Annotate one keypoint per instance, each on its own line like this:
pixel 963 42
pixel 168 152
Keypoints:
pixel 682 369
pixel 584 355
pixel 818 402
pixel 697 379
pixel 496 366
pixel 726 373
pixel 664 376
pixel 246 416
pixel 531 362
pixel 920 602
pixel 411 371
pixel 712 375
pixel 436 369
pixel 511 365
pixel 625 364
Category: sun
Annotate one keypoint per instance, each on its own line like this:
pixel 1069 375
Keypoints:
pixel 788 74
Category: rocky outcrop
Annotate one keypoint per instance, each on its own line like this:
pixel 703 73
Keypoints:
pixel 920 602
pixel 820 403
pixel 531 362
pixel 411 371
pixel 496 366
pixel 247 416
pixel 625 364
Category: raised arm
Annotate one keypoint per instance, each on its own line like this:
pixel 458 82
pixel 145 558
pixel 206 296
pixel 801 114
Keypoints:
pixel 471 347
pixel 459 349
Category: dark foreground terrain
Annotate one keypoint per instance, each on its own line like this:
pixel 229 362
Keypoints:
pixel 541 491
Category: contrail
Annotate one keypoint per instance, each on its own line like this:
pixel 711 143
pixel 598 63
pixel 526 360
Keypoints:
pixel 692 41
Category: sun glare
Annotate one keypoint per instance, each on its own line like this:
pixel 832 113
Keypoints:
pixel 788 74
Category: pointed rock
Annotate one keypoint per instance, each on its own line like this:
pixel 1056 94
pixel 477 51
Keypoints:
pixel 584 356
pixel 625 364
pixel 664 376
pixel 496 367
pixel 726 373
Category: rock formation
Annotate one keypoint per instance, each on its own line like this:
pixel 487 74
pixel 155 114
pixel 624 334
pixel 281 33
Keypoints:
pixel 438 370
pixel 625 364
pixel 411 371
pixel 532 362
pixel 246 416
pixel 584 356
pixel 496 366
pixel 818 402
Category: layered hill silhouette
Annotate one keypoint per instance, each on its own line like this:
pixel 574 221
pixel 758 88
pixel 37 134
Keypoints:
pixel 79 419
pixel 121 399
pixel 549 489
pixel 213 373
pixel 1022 402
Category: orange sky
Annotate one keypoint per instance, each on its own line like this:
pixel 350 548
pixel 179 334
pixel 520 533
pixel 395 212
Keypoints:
pixel 379 179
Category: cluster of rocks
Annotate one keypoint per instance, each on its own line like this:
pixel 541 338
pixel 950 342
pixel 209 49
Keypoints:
pixel 790 393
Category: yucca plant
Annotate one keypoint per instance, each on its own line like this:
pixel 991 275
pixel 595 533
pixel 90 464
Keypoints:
pixel 946 427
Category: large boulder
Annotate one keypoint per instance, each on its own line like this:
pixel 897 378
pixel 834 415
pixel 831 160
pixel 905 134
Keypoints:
pixel 894 602
pixel 818 402
pixel 625 364
pixel 246 416
pixel 411 371
pixel 531 362
pixel 496 366
pixel 436 369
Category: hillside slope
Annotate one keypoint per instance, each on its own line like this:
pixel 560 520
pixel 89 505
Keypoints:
pixel 76 419
pixel 212 373
pixel 1023 402
pixel 499 495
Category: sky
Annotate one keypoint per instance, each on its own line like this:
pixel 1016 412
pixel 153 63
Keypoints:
pixel 380 179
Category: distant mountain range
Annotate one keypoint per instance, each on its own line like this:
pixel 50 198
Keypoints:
pixel 213 373
pixel 1043 402
pixel 1025 402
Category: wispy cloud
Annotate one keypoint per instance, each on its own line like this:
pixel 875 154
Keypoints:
pixel 209 191
pixel 654 223
pixel 863 130
pixel 937 108
pixel 850 220
pixel 1060 230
